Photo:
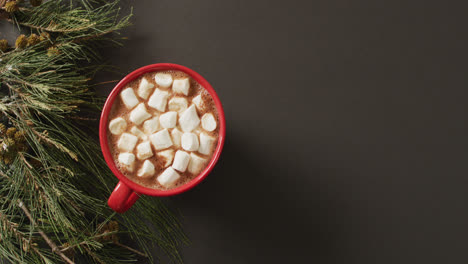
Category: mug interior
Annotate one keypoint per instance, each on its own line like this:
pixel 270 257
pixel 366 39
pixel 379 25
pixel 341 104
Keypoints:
pixel 104 120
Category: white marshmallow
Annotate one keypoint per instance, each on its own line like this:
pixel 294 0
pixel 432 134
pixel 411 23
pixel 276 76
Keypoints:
pixel 196 164
pixel 178 104
pixel 206 143
pixel 127 160
pixel 176 136
pixel 127 142
pixel 208 122
pixel 144 150
pixel 139 114
pixel 163 79
pixel 181 86
pixel 198 102
pixel 145 88
pixel 198 130
pixel 168 177
pixel 168 119
pixel 151 126
pixel 137 132
pixel 190 142
pixel 161 139
pixel 129 98
pixel 181 161
pixel 167 155
pixel 146 170
pixel 158 100
pixel 117 126
pixel 189 119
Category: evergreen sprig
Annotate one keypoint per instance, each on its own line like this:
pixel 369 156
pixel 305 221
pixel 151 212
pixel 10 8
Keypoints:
pixel 54 182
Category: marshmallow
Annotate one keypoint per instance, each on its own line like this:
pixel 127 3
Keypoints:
pixel 146 170
pixel 158 100
pixel 198 130
pixel 137 132
pixel 163 79
pixel 176 136
pixel 206 143
pixel 196 164
pixel 181 86
pixel 127 160
pixel 208 122
pixel 151 126
pixel 144 150
pixel 144 89
pixel 168 177
pixel 178 104
pixel 167 155
pixel 127 142
pixel 189 119
pixel 190 142
pixel 198 102
pixel 117 126
pixel 181 161
pixel 139 114
pixel 168 119
pixel 129 98
pixel 161 139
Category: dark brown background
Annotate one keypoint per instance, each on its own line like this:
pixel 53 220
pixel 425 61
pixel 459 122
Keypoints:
pixel 346 139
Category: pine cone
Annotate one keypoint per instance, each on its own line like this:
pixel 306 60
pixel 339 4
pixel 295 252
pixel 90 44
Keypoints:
pixel 11 6
pixel 3 45
pixel 53 51
pixel 21 42
pixel 9 142
pixel 33 40
pixel 111 226
pixel 11 131
pixel 2 129
pixel 35 2
pixel 19 137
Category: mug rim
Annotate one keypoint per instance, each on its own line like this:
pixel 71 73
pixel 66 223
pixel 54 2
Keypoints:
pixel 105 116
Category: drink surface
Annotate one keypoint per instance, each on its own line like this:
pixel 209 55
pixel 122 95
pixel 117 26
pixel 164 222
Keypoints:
pixel 182 139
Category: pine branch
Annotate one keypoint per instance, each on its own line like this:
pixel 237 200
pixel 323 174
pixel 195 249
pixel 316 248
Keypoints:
pixel 55 166
pixel 49 242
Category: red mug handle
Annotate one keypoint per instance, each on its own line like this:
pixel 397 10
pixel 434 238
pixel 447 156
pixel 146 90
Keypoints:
pixel 122 198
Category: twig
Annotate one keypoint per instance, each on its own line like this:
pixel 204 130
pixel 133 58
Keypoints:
pixel 24 159
pixel 51 244
pixel 115 243
pixel 100 83
pixel 131 249
pixel 51 29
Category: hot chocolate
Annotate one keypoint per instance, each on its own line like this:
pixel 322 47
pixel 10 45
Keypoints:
pixel 163 129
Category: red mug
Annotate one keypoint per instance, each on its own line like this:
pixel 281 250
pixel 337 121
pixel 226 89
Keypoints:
pixel 127 192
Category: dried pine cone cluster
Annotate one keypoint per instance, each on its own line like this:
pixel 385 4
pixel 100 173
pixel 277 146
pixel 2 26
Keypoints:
pixel 3 45
pixel 13 6
pixel 12 141
pixel 111 226
pixel 23 41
